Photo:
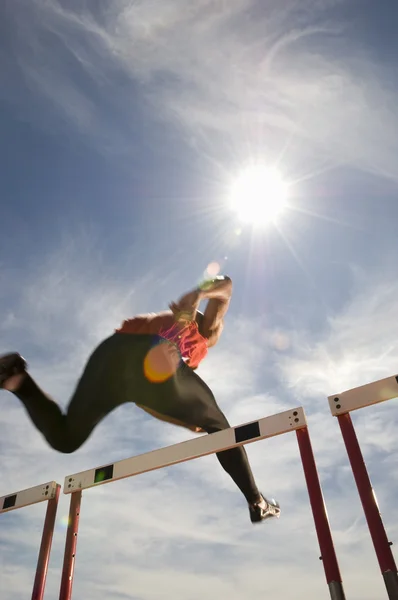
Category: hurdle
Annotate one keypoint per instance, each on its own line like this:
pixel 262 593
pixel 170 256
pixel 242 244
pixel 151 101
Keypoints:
pixel 340 406
pixel 47 492
pixel 271 426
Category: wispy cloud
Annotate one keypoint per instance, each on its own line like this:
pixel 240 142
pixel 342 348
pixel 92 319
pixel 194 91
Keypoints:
pixel 357 345
pixel 279 81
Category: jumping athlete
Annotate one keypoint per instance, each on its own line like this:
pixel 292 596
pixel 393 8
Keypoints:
pixel 151 361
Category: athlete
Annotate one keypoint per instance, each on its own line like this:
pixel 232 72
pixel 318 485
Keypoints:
pixel 151 361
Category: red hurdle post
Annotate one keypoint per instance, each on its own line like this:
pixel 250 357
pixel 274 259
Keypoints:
pixel 45 547
pixel 340 406
pixel 377 531
pixel 45 492
pixel 70 547
pixel 328 554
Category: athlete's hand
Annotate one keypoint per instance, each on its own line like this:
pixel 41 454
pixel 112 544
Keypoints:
pixel 180 315
pixel 215 283
pixel 185 309
pixel 219 288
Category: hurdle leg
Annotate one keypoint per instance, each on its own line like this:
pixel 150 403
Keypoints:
pixel 70 547
pixel 328 554
pixel 378 534
pixel 45 547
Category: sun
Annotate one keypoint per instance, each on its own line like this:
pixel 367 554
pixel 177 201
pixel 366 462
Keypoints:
pixel 258 195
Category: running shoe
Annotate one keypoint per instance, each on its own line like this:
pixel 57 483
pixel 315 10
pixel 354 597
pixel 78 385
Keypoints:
pixel 265 509
pixel 11 364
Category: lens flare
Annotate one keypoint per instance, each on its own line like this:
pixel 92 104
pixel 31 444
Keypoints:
pixel 64 522
pixel 280 341
pixel 213 269
pixel 161 362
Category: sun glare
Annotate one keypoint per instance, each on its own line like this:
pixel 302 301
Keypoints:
pixel 258 195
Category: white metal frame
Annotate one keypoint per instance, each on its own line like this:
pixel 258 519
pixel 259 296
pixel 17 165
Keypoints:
pixel 365 395
pixel 33 495
pixel 254 431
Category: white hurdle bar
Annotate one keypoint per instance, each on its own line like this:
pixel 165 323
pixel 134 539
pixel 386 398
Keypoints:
pixel 189 450
pixel 46 492
pixel 365 395
pixel 33 495
pixel 284 422
pixel 340 406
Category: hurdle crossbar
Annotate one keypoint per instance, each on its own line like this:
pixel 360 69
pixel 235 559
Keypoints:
pixel 284 422
pixel 340 406
pixel 47 492
pixel 189 450
pixel 365 395
pixel 33 495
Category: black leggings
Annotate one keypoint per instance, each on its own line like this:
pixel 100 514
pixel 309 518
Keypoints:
pixel 113 376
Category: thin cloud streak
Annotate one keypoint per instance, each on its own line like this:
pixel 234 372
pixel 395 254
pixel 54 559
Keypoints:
pixel 220 72
pixel 357 346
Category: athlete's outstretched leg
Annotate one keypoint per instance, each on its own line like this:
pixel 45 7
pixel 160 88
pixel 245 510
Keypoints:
pixel 109 379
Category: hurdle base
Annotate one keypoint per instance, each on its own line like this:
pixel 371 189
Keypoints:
pixel 391 581
pixel 336 590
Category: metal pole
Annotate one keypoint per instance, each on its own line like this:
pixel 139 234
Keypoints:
pixel 45 547
pixel 328 554
pixel 378 533
pixel 70 547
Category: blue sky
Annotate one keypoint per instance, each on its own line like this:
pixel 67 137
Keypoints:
pixel 120 127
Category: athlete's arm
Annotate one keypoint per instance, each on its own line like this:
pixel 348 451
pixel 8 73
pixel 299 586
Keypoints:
pixel 186 307
pixel 218 292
